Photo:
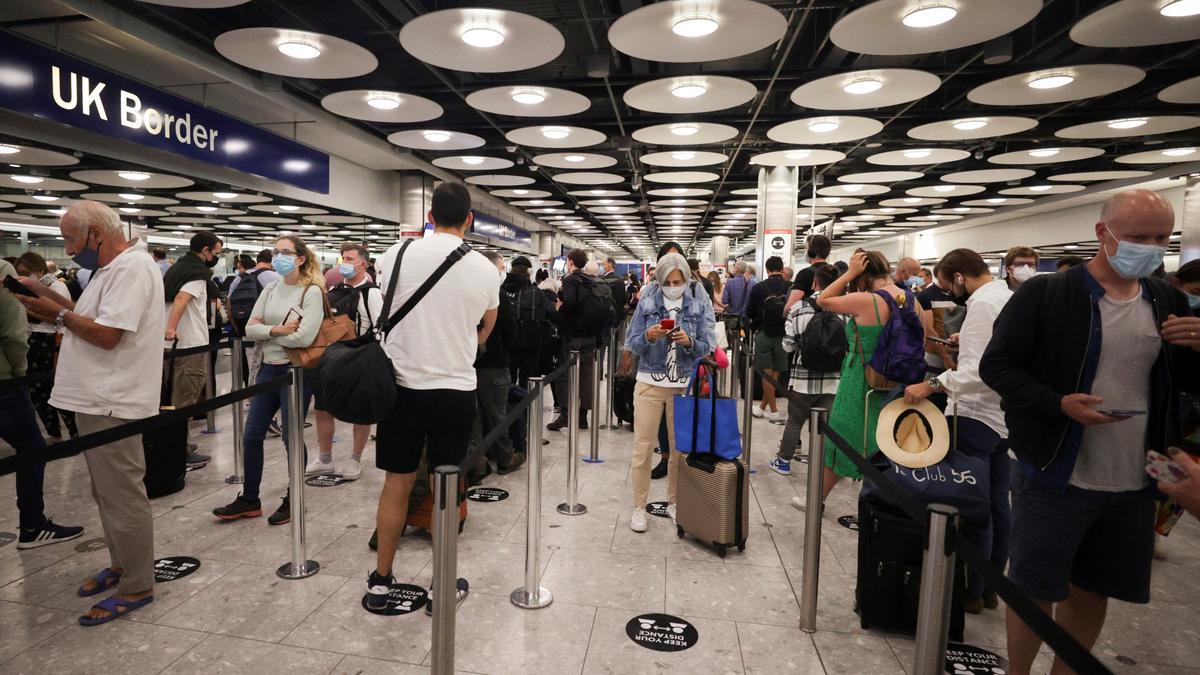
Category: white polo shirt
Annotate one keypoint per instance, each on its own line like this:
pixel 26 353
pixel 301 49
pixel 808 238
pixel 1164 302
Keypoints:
pixel 126 381
pixel 192 330
pixel 434 347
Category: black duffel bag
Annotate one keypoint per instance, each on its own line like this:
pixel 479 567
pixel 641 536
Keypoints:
pixel 355 381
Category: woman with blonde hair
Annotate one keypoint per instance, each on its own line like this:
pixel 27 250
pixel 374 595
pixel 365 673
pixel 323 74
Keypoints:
pixel 287 314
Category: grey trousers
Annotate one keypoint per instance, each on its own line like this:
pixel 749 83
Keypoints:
pixel 798 411
pixel 116 471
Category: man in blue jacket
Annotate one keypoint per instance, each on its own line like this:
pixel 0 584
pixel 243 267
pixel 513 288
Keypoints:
pixel 1089 364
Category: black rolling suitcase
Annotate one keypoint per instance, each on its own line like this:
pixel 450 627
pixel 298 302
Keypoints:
pixel 890 552
pixel 165 447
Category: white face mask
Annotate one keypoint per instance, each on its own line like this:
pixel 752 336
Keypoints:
pixel 673 292
pixel 1023 273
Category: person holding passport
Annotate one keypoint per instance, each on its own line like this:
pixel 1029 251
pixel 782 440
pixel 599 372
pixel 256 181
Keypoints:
pixel 288 313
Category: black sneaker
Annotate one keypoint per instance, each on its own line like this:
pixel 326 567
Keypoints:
pixel 583 419
pixel 379 589
pixel 660 470
pixel 462 589
pixel 197 461
pixel 239 508
pixel 518 458
pixel 558 424
pixel 47 534
pixel 282 515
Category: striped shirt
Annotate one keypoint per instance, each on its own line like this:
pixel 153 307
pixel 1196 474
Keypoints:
pixel 803 381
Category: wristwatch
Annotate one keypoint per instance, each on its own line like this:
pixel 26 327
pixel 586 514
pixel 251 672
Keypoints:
pixel 61 317
pixel 934 384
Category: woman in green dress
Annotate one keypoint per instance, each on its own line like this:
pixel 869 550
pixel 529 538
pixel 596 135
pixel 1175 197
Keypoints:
pixel 853 294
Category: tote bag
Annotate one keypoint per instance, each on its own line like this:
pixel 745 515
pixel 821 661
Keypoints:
pixel 707 425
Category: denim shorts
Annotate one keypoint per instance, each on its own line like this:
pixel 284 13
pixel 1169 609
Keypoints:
pixel 1101 542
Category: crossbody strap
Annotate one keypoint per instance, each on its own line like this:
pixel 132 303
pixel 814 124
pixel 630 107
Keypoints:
pixel 389 323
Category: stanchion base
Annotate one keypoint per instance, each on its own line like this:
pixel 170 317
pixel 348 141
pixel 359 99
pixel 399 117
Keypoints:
pixel 589 460
pixel 214 431
pixel 807 630
pixel 612 427
pixel 289 571
pixel 524 600
pixel 568 510
pixel 235 480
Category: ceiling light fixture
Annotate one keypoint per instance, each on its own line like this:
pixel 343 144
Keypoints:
pixel 134 175
pixel 575 158
pixel 996 200
pixel 520 192
pixel 1044 152
pixel 225 195
pixel 831 200
pixel 823 126
pixel 1180 8
pixel 289 207
pixel 970 124
pixel 887 210
pixel 131 197
pixel 683 156
pixel 1051 81
pixel 685 129
pixel 206 209
pixel 912 200
pixel 695 25
pixel 1127 123
pixel 472 160
pixel 1040 188
pixel 483 38
pixel 689 90
pixel 917 154
pixel 28 180
pixel 597 192
pixel 128 209
pixel 383 101
pixel 436 136
pixel 555 133
pixel 929 15
pixel 1178 152
pixel 298 49
pixel 244 226
pixel 943 188
pixel 798 154
pixel 45 198
pixel 528 96
pixel 852 188
pixel 679 191
pixel 8 149
pixel 864 85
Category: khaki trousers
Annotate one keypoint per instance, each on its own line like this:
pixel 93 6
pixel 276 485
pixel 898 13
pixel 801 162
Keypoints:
pixel 191 375
pixel 649 404
pixel 116 470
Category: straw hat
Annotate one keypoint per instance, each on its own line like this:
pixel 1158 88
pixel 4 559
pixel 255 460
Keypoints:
pixel 920 439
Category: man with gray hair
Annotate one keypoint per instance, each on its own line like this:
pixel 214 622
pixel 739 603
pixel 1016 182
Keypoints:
pixel 110 369
pixel 735 296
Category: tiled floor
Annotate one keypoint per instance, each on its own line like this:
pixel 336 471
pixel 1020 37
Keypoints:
pixel 236 616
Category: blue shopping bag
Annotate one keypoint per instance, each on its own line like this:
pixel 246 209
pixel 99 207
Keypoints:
pixel 707 425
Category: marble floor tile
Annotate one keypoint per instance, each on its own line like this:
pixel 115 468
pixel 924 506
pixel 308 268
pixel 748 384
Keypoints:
pixel 222 655
pixel 734 592
pixel 835 600
pixel 349 556
pixel 167 596
pixel 261 544
pixel 253 602
pixel 50 581
pixel 341 624
pixel 22 626
pixel 1131 632
pixel 612 652
pixel 777 650
pixel 614 580
pixel 358 665
pixel 849 654
pixel 126 647
pixel 496 568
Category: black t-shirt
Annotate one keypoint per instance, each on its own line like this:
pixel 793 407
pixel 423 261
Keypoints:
pixel 804 279
pixel 932 294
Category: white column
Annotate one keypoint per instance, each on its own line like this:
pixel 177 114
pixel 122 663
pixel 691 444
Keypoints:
pixel 416 195
pixel 777 200
pixel 718 252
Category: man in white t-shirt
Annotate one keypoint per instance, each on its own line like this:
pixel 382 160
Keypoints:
pixel 433 353
pixel 353 269
pixel 109 374
pixel 186 294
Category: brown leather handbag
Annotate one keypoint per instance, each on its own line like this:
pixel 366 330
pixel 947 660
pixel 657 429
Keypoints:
pixel 334 328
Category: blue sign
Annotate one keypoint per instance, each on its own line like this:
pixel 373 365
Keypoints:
pixel 38 81
pixel 488 226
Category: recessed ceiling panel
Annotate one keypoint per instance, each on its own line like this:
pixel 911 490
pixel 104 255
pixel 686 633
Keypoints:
pixel 226 197
pixel 1039 190
pixel 197 4
pixel 528 101
pixel 687 31
pixel 988 176
pixel 866 89
pixel 479 40
pixel 588 178
pixel 1057 85
pixel 825 129
pixel 880 177
pixel 1134 23
pixel 134 178
pixel 131 197
pixel 205 211
pixel 968 128
pixel 911 201
pixel 574 160
pixel 598 192
pixel 500 180
pixel 685 133
pixel 295 53
pixel 798 157
pixel 678 192
pixel 690 94
pixel 1088 176
pixel 335 219
pixel 945 190
pixel 1046 155
pixel 13 153
pixel 853 190
pixel 472 163
pixel 520 194
pixel 287 209
pixel 997 201
pixel 896 27
pixel 1187 153
pixel 18 180
pixel 1130 126
pixel 682 177
pixel 372 105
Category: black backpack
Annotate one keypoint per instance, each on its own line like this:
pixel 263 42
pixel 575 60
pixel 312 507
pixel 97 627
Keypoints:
pixel 242 299
pixel 771 318
pixel 529 305
pixel 823 344
pixel 594 312
pixel 344 300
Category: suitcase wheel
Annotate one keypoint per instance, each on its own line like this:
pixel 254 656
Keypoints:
pixel 679 531
pixel 721 550
pixel 742 546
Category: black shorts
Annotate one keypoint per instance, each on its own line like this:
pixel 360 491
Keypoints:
pixel 434 420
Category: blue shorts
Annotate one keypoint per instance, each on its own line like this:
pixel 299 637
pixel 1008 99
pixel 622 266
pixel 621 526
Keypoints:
pixel 1102 542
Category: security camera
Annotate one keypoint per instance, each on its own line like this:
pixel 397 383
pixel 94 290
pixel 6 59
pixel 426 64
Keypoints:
pixel 979 154
pixel 510 148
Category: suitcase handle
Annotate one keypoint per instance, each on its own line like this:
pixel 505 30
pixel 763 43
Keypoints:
pixel 710 374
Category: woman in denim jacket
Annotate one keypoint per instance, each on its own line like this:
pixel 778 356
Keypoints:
pixel 667 360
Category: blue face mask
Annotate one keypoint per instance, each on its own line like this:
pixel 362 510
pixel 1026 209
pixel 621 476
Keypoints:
pixel 914 282
pixel 1193 301
pixel 1135 261
pixel 284 264
pixel 347 270
pixel 87 258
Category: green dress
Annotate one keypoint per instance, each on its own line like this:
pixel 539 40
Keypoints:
pixel 850 411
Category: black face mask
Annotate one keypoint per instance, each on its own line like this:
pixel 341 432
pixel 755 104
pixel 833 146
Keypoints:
pixel 960 300
pixel 213 261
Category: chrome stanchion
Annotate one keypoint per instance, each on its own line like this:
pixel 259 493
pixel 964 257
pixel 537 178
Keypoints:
pixel 532 595
pixel 614 350
pixel 300 566
pixel 735 346
pixel 445 566
pixel 812 521
pixel 210 392
pixel 594 441
pixel 937 587
pixel 572 507
pixel 748 401
pixel 239 412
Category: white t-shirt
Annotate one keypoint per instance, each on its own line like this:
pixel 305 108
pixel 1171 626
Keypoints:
pixel 123 382
pixel 369 311
pixel 192 330
pixel 673 378
pixel 434 347
pixel 61 289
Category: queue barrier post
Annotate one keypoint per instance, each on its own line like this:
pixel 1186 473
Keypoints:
pixel 532 595
pixel 572 507
pixel 445 566
pixel 210 390
pixel 812 521
pixel 611 356
pixel 937 586
pixel 594 428
pixel 735 345
pixel 748 401
pixel 236 367
pixel 299 567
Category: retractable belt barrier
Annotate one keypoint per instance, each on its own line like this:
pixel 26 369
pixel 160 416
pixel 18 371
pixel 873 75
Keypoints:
pixel 48 376
pixel 1064 645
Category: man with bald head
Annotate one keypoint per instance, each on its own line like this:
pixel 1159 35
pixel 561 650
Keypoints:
pixel 908 274
pixel 1089 364
pixel 110 373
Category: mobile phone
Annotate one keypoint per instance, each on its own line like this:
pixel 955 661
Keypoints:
pixel 17 287
pixel 667 324
pixel 942 341
pixel 1161 467
pixel 1121 413
pixel 292 315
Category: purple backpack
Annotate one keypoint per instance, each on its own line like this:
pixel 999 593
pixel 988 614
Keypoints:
pixel 900 353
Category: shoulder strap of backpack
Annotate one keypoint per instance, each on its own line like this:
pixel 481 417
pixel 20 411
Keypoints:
pixel 389 323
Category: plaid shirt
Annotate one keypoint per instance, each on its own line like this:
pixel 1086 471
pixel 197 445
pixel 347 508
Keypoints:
pixel 803 381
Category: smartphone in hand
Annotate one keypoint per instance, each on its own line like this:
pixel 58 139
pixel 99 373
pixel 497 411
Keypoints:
pixel 1114 412
pixel 17 288
pixel 1163 468
pixel 667 324
pixel 292 315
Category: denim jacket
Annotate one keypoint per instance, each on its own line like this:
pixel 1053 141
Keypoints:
pixel 696 318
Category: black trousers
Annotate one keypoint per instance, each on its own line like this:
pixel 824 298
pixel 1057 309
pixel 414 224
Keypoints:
pixel 587 356
pixel 42 347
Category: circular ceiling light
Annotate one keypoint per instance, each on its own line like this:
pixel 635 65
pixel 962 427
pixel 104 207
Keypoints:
pixel 823 126
pixel 852 188
pixel 528 96
pixel 520 192
pixel 887 209
pixel 917 154
pixel 1128 123
pixel 911 200
pixel 683 156
pixel 130 197
pixel 206 209
pixel 28 180
pixel 575 158
pixel 695 25
pixel 128 209
pixel 1044 152
pixel 831 200
pixel 597 192
pixel 970 124
pixel 1178 152
pixel 8 149
pixel 298 49
pixel 134 175
pixel 289 207
pixel 943 188
pixel 679 191
pixel 555 133
pixel 1180 8
pixel 472 160
pixel 383 101
pixel 1040 188
pixel 224 195
pixel 691 90
pixel 45 198
pixel 928 16
pixel 1052 81
pixel 436 136
pixel 996 200
pixel 685 129
pixel 798 154
pixel 482 37
pixel 862 86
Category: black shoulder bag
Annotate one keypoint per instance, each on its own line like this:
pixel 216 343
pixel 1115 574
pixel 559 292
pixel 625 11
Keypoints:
pixel 356 381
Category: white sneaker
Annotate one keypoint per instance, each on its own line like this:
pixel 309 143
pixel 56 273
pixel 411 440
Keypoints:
pixel 351 470
pixel 776 417
pixel 800 504
pixel 756 411
pixel 671 511
pixel 317 467
pixel 638 521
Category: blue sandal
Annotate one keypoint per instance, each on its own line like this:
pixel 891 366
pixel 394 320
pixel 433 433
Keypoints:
pixel 105 580
pixel 116 608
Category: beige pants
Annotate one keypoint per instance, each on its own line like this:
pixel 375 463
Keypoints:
pixel 191 374
pixel 116 470
pixel 649 404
